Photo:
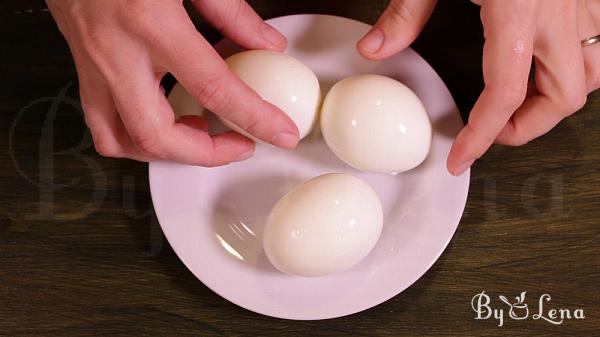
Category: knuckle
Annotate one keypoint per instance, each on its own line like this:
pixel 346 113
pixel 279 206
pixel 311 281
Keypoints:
pixel 594 72
pixel 513 135
pixel 515 94
pixel 251 123
pixel 149 145
pixel 574 100
pixel 93 34
pixel 400 11
pixel 138 7
pixel 95 40
pixel 511 96
pixel 143 20
pixel 236 12
pixel 400 14
pixel 477 132
pixel 107 149
pixel 75 9
pixel 211 94
pixel 517 139
pixel 104 144
pixel 595 82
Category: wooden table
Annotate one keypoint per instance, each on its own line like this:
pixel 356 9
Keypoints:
pixel 81 253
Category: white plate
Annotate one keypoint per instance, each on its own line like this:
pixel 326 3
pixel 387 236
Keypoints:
pixel 213 217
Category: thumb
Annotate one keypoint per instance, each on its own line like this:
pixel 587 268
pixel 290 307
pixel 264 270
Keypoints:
pixel 396 29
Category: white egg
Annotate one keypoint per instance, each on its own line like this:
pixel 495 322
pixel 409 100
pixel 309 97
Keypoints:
pixel 375 123
pixel 183 103
pixel 324 225
pixel 282 81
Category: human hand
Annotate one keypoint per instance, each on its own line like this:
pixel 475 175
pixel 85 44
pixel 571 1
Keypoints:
pixel 122 49
pixel 511 110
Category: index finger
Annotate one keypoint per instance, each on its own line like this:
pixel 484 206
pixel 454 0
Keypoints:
pixel 509 28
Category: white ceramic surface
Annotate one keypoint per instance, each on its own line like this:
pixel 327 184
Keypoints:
pixel 213 217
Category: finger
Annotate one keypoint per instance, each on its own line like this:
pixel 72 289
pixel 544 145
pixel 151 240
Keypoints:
pixel 108 133
pixel 236 20
pixel 507 53
pixel 592 67
pixel 150 123
pixel 100 114
pixel 588 13
pixel 398 27
pixel 207 78
pixel 535 117
pixel 560 79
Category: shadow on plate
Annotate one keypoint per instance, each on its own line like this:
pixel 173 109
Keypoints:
pixel 314 149
pixel 319 37
pixel 446 125
pixel 240 213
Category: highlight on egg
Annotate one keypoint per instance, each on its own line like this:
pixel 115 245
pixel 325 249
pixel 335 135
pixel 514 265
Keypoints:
pixel 324 225
pixel 375 123
pixel 281 80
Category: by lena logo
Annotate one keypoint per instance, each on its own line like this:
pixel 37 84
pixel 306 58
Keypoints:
pixel 519 310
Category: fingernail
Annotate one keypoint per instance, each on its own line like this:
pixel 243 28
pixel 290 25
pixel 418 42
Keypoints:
pixel 272 35
pixel 285 140
pixel 460 169
pixel 245 155
pixel 373 41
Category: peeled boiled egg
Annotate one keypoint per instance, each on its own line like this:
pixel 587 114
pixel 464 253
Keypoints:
pixel 375 123
pixel 183 103
pixel 324 225
pixel 282 81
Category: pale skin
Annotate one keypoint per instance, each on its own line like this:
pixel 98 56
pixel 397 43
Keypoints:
pixel 511 110
pixel 122 49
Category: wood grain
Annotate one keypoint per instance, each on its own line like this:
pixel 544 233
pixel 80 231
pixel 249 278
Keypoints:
pixel 88 259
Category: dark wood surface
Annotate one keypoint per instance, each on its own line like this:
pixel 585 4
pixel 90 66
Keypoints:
pixel 81 253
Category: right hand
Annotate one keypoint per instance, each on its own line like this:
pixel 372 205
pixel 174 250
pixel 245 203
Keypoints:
pixel 511 109
pixel 122 49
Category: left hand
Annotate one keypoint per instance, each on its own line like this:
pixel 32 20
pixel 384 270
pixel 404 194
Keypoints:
pixel 511 110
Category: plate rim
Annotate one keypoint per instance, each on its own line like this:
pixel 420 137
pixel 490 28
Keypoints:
pixel 378 300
